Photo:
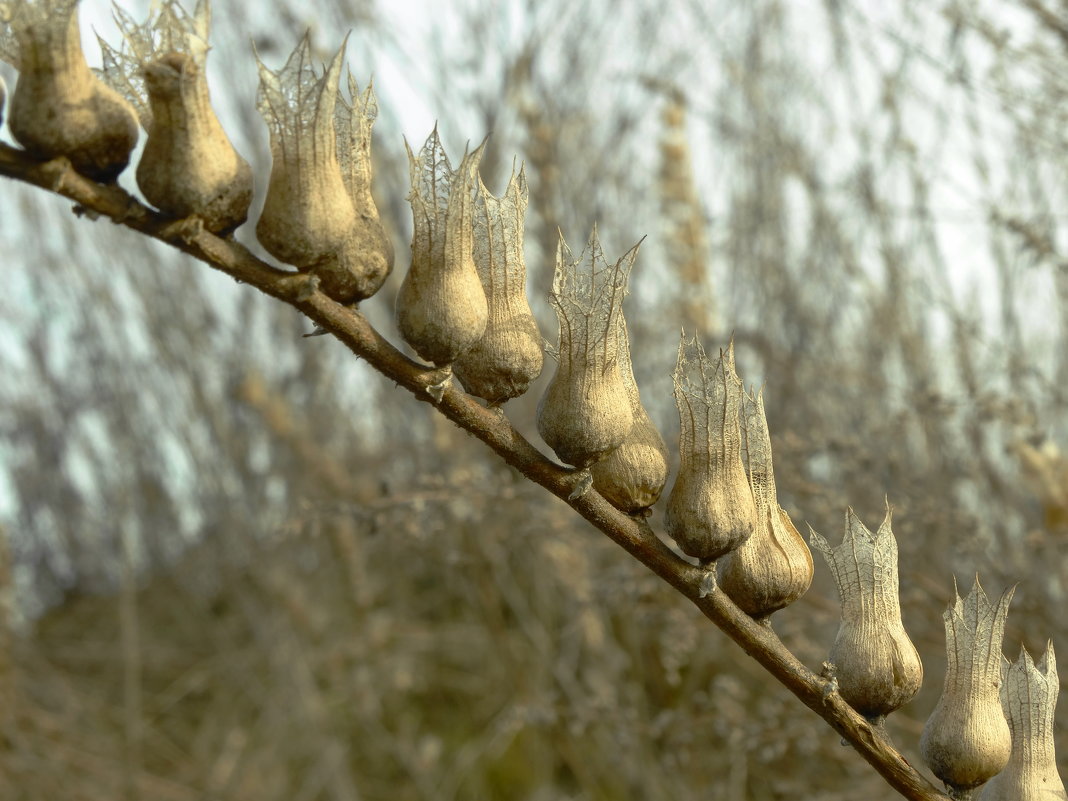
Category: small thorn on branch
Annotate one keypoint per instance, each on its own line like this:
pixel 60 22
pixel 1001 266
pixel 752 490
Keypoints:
pixel 830 689
pixel 830 686
pixel 437 390
pixel 307 290
pixel 583 484
pixel 186 229
pixel 57 170
pixel 132 211
pixel 708 585
pixel 84 211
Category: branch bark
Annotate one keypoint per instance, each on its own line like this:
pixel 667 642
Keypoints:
pixel 491 426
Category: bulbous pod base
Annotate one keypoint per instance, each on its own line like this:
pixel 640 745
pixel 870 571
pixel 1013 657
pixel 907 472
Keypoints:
pixel 502 365
pixel 966 741
pixel 1011 786
pixel 632 477
pixel 710 514
pixel 585 413
pixel 878 667
pixel 189 167
pixel 373 259
pixel 358 271
pixel 307 215
pixel 60 108
pixel 442 312
pixel 771 569
pixel 93 127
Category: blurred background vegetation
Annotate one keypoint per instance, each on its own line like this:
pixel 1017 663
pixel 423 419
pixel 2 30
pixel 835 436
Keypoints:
pixel 239 565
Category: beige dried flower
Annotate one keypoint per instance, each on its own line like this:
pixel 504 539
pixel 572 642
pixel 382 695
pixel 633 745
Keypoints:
pixel 967 740
pixel 711 509
pixel 1029 696
pixel 307 215
pixel 309 218
pixel 369 251
pixel 441 307
pixel 510 353
pixel 773 568
pixel 877 667
pixel 189 166
pixel 59 107
pixel 586 413
pixel 632 476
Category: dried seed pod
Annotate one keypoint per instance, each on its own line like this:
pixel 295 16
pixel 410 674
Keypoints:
pixel 1029 696
pixel 632 476
pixel 441 306
pixel 189 166
pixel 59 107
pixel 773 568
pixel 369 252
pixel 309 219
pixel 307 214
pixel 967 740
pixel 877 666
pixel 510 353
pixel 711 510
pixel 585 413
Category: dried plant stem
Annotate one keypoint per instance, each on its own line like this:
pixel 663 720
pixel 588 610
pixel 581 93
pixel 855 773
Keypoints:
pixel 8 690
pixel 633 535
pixel 129 626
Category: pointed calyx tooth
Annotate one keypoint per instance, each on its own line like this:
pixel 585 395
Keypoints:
pixel 632 476
pixel 877 666
pixel 510 353
pixel 773 568
pixel 59 107
pixel 309 218
pixel 441 307
pixel 586 411
pixel 189 166
pixel 1029 696
pixel 711 509
pixel 967 740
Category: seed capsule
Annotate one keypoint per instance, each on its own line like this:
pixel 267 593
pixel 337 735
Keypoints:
pixel 633 475
pixel 1029 696
pixel 309 218
pixel 877 666
pixel 711 510
pixel 585 413
pixel 967 740
pixel 773 568
pixel 59 107
pixel 307 215
pixel 441 306
pixel 189 167
pixel 369 252
pixel 510 353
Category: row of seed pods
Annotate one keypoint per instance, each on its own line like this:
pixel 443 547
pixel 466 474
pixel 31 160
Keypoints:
pixel 463 308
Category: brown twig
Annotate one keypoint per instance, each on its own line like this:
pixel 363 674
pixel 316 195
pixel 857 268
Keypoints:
pixel 633 535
